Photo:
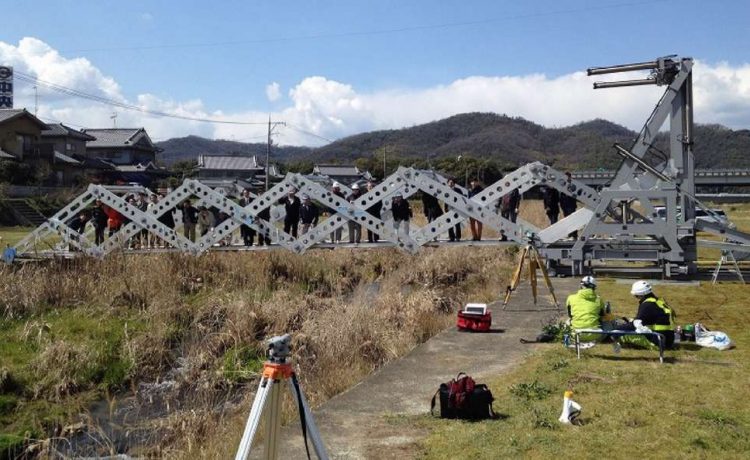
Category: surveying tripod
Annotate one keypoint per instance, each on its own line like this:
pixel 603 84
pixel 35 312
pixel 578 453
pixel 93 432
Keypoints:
pixel 535 261
pixel 276 371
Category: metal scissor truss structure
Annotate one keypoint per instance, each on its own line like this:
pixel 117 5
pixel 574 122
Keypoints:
pixel 619 222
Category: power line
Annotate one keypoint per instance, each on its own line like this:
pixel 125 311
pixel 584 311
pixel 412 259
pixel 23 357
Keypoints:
pixel 111 102
pixel 446 25
pixel 298 129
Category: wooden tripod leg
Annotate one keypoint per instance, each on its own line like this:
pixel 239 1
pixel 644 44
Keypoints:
pixel 532 275
pixel 547 281
pixel 516 280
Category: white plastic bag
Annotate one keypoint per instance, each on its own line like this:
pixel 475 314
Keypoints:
pixel 712 339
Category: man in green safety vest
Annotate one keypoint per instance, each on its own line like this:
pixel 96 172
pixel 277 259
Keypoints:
pixel 654 314
pixel 586 309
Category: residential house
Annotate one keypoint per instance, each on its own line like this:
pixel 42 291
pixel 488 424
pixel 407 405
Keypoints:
pixel 122 146
pixel 64 148
pixel 221 170
pixel 20 132
pixel 344 174
pixel 228 167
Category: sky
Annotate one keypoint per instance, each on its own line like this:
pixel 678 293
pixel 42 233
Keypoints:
pixel 329 69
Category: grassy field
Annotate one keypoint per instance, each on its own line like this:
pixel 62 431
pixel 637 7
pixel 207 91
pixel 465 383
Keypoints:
pixel 12 235
pixel 697 405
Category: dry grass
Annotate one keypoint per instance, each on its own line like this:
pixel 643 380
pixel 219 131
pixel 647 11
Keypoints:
pixel 83 327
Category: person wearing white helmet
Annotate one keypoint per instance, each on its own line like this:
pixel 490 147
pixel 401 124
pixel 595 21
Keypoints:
pixel 654 314
pixel 586 308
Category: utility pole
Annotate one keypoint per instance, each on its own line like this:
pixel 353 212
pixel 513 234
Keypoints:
pixel 113 117
pixel 36 101
pixel 271 127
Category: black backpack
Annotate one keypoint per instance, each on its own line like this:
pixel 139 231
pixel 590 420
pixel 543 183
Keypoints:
pixel 463 398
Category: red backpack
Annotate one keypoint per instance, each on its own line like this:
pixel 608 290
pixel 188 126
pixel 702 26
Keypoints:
pixel 463 398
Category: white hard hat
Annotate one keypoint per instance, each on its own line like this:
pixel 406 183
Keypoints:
pixel 336 185
pixel 640 288
pixel 355 187
pixel 588 281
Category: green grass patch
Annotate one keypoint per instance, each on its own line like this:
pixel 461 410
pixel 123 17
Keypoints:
pixel 241 363
pixel 12 235
pixel 697 405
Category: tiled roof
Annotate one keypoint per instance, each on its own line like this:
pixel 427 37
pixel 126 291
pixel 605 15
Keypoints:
pixel 337 170
pixel 60 130
pixel 116 137
pixel 9 114
pixel 229 162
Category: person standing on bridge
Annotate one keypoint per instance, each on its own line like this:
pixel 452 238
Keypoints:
pixel 454 233
pixel 355 229
pixel 291 206
pixel 308 214
pixel 475 226
pixel 189 220
pixel 551 200
pixel 99 219
pixel 336 234
pixel 402 214
pixel 374 211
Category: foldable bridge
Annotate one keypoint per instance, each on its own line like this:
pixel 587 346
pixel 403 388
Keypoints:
pixel 619 222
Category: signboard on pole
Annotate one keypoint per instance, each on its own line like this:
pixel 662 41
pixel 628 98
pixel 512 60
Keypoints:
pixel 6 87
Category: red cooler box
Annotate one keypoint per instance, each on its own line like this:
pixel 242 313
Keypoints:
pixel 474 317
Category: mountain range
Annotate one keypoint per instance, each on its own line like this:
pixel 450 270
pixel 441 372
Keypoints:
pixel 509 141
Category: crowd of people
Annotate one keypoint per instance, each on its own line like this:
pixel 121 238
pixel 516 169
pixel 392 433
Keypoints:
pixel 302 213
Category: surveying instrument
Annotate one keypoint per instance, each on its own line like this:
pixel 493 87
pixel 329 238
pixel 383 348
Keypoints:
pixel 277 371
pixel 535 262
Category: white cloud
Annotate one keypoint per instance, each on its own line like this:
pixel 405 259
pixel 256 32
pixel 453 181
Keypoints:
pixel 273 92
pixel 335 109
pixel 147 17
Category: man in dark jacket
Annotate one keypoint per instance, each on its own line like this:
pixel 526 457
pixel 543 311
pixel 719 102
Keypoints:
pixel 509 208
pixel 401 214
pixel 551 199
pixel 308 214
pixel 264 215
pixel 373 210
pixel 99 219
pixel 189 220
pixel 454 233
pixel 246 232
pixel 291 206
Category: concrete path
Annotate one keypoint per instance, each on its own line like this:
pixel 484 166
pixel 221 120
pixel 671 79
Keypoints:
pixel 354 424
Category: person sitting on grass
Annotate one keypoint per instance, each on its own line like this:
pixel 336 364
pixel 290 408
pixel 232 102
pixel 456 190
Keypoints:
pixel 654 314
pixel 586 309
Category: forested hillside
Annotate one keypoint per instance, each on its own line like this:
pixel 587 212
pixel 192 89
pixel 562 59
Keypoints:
pixel 505 141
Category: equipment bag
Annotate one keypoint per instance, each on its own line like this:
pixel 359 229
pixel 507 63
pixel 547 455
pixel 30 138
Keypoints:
pixel 474 322
pixel 463 398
